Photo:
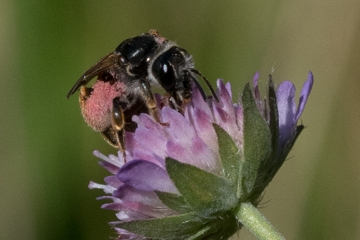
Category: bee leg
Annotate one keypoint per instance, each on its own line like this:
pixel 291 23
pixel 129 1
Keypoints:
pixel 109 136
pixel 118 125
pixel 151 104
pixel 84 94
pixel 185 102
pixel 175 105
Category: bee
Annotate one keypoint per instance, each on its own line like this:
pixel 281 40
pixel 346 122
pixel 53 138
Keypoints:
pixel 124 80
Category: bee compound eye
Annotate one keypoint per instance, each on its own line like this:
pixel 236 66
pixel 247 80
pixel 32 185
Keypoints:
pixel 164 73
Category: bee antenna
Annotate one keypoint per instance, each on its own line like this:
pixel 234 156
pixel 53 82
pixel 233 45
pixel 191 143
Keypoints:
pixel 199 87
pixel 207 84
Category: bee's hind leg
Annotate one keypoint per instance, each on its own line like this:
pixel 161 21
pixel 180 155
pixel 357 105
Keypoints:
pixel 115 134
pixel 118 125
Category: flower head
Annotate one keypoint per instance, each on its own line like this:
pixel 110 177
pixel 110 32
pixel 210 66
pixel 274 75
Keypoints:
pixel 189 178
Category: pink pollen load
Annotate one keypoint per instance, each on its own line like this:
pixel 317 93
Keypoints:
pixel 97 107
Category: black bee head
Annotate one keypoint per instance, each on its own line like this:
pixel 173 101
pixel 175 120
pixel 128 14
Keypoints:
pixel 171 69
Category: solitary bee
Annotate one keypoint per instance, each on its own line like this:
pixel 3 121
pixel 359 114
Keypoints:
pixel 124 80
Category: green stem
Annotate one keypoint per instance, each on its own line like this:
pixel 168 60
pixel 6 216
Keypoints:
pixel 253 220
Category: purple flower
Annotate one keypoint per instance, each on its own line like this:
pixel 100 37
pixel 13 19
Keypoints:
pixel 188 178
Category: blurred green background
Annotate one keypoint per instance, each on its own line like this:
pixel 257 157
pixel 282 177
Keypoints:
pixel 46 148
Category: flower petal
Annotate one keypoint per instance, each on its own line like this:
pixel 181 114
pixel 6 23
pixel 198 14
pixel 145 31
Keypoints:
pixel 204 128
pixel 286 107
pixel 146 176
pixel 111 163
pixel 113 181
pixel 144 202
pixel 198 101
pixel 255 83
pixel 224 111
pixel 150 139
pixel 305 92
pixel 224 93
pixel 106 188
pixel 257 91
pixel 126 234
pixel 184 144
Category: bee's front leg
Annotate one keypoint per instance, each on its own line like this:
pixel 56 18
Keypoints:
pixel 151 104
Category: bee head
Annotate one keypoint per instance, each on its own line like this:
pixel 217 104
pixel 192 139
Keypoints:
pixel 171 69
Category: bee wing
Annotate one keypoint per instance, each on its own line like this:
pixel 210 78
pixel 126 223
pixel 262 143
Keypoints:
pixel 103 64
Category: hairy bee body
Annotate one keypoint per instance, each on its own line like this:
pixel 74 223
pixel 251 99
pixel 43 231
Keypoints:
pixel 124 80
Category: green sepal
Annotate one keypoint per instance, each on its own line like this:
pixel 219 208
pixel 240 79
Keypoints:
pixel 274 118
pixel 226 226
pixel 269 168
pixel 266 168
pixel 290 144
pixel 207 194
pixel 204 231
pixel 172 227
pixel 174 201
pixel 222 227
pixel 230 157
pixel 257 142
